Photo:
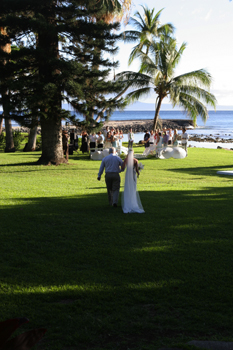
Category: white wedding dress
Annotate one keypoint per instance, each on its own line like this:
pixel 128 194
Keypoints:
pixel 130 199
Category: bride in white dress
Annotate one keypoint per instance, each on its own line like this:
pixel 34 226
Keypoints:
pixel 130 199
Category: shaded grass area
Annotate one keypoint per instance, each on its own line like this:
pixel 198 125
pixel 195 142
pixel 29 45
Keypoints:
pixel 100 279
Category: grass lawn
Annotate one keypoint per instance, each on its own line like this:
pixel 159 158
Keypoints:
pixel 100 279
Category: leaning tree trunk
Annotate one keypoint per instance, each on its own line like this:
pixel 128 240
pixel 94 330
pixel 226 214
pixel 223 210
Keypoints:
pixel 158 106
pixel 31 144
pixel 52 151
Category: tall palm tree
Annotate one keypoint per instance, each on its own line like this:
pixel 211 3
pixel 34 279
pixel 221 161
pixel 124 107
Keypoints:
pixel 148 28
pixel 158 74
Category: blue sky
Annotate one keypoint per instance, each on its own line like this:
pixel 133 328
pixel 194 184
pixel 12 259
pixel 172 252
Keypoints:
pixel 207 28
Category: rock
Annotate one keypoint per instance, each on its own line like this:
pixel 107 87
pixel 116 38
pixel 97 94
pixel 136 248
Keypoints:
pixel 219 147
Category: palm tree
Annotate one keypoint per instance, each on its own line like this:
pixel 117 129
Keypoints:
pixel 148 28
pixel 158 74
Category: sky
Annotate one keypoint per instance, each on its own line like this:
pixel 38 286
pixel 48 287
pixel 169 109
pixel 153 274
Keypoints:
pixel 207 28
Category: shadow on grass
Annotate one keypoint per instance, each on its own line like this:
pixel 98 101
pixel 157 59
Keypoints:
pixel 204 171
pixel 97 277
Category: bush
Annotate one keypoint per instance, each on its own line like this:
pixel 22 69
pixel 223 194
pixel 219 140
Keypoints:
pixel 18 139
pixel 2 141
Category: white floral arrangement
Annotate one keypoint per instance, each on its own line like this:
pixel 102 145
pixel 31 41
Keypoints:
pixel 140 167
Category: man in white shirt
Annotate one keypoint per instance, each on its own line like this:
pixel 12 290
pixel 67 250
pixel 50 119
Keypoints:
pixel 113 166
pixel 184 140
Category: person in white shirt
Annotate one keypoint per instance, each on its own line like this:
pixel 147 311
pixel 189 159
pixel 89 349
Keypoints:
pixel 170 136
pixel 130 138
pixel 92 142
pixel 184 140
pixel 113 166
pixel 152 138
pixel 100 140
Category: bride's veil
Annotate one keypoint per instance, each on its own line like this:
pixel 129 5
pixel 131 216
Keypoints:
pixel 130 199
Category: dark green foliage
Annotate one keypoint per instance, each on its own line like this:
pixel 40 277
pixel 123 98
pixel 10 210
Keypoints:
pixel 2 141
pixel 18 139
pixel 45 73
pixel 59 59
pixel 23 341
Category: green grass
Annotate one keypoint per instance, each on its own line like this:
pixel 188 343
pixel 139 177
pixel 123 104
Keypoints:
pixel 100 279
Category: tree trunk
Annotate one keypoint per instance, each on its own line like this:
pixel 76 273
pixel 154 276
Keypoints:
pixel 1 122
pixel 5 102
pixel 157 113
pixel 51 131
pixel 31 145
pixel 9 137
pixel 52 152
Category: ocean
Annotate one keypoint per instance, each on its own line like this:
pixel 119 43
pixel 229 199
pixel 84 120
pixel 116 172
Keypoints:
pixel 219 123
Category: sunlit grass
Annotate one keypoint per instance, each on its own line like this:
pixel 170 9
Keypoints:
pixel 100 279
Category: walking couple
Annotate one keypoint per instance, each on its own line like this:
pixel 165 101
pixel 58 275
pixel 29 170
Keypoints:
pixel 113 165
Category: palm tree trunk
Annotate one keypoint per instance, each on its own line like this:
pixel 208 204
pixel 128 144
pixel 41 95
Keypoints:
pixel 158 106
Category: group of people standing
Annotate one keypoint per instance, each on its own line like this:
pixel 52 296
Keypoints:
pixel 110 138
pixel 165 137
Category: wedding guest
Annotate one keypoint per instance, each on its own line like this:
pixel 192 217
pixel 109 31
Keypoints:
pixel 93 142
pixel 147 139
pixel 113 166
pixel 65 143
pixel 106 131
pixel 100 140
pixel 117 135
pixel 114 139
pixel 130 138
pixel 121 137
pixel 152 138
pixel 165 138
pixel 159 144
pixel 184 140
pixel 170 136
pixel 156 136
pixel 175 138
pixel 84 146
pixel 108 140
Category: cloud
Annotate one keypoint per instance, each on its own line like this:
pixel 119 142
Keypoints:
pixel 208 15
